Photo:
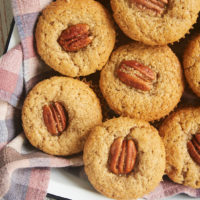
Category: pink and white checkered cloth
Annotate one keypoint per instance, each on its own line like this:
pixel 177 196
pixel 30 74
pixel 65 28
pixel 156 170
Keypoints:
pixel 24 171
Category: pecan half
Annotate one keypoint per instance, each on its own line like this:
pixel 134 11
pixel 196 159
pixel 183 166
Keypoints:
pixel 75 37
pixel 136 75
pixel 194 148
pixel 122 156
pixel 55 118
pixel 155 5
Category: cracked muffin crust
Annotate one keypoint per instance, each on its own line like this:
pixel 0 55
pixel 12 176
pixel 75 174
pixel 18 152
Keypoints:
pixel 142 81
pixel 75 37
pixel 149 164
pixel 155 22
pixel 177 130
pixel 41 115
pixel 191 64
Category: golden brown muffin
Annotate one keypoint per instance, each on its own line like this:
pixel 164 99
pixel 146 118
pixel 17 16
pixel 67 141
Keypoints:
pixel 191 63
pixel 75 37
pixel 180 131
pixel 142 81
pixel 58 113
pixel 103 152
pixel 155 22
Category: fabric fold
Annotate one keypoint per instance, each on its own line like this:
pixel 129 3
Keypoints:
pixel 19 154
pixel 11 77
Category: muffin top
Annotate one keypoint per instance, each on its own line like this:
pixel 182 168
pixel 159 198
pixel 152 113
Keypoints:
pixel 180 133
pixel 124 158
pixel 142 81
pixel 58 113
pixel 191 64
pixel 155 22
pixel 75 37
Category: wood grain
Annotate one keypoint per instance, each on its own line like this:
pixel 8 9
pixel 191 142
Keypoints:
pixel 6 17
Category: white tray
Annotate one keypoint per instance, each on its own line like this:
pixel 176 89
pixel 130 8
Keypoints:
pixel 67 185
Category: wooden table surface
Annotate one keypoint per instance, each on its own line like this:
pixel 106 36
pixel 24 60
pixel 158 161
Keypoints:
pixel 6 18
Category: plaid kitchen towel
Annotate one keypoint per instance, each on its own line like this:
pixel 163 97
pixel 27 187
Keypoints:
pixel 19 179
pixel 24 171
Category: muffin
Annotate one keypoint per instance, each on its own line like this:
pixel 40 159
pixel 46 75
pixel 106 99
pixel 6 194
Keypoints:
pixel 75 37
pixel 191 64
pixel 142 81
pixel 124 158
pixel 58 113
pixel 155 22
pixel 181 137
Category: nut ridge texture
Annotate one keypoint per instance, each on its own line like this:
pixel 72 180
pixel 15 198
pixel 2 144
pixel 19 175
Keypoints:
pixel 122 156
pixel 75 37
pixel 55 117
